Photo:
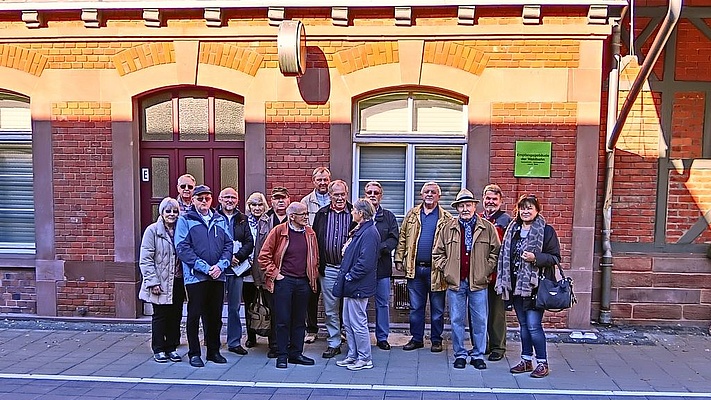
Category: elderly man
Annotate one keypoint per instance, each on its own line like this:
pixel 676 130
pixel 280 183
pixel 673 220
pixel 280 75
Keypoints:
pixel 204 246
pixel 414 256
pixel 314 201
pixel 386 224
pixel 280 201
pixel 496 328
pixel 186 185
pixel 332 224
pixel 289 259
pixel 464 256
pixel 238 228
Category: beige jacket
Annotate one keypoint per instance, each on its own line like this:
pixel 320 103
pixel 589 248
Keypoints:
pixel 157 263
pixel 406 250
pixel 447 252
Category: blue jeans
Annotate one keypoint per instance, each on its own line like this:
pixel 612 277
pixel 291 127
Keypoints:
pixel 331 306
pixel 532 335
pixel 382 309
pixel 468 307
pixel 233 285
pixel 418 289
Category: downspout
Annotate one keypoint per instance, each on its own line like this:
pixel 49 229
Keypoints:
pixel 613 134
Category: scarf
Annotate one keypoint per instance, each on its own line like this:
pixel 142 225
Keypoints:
pixel 527 274
pixel 468 232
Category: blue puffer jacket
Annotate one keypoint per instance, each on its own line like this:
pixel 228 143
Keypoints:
pixel 360 262
pixel 200 245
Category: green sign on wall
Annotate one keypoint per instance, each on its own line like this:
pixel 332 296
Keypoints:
pixel 533 160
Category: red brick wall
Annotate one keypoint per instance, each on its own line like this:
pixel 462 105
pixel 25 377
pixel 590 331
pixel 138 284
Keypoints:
pixel 83 181
pixel 297 141
pixel 17 291
pixel 693 52
pixel 81 298
pixel 554 122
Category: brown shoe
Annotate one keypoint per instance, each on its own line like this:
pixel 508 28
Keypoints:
pixel 523 366
pixel 541 370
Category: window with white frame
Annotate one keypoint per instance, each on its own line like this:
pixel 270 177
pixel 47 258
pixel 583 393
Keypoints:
pixel 405 139
pixel 17 207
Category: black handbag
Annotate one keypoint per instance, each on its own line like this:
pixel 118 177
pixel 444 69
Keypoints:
pixel 260 316
pixel 554 295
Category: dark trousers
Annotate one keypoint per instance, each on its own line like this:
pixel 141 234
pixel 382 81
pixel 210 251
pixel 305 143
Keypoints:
pixel 312 310
pixel 496 328
pixel 205 303
pixel 165 322
pixel 249 292
pixel 290 298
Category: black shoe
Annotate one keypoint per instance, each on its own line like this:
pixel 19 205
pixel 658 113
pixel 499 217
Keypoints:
pixel 238 350
pixel 281 363
pixel 301 359
pixel 478 363
pixel 216 358
pixel 495 356
pixel 174 356
pixel 331 352
pixel 272 353
pixel 436 347
pixel 196 361
pixel 460 363
pixel 383 345
pixel 250 343
pixel 412 345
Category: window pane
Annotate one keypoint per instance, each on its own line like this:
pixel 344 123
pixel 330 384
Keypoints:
pixel 13 118
pixel 17 213
pixel 193 116
pixel 385 114
pixel 229 173
pixel 195 166
pixel 229 120
pixel 442 164
pixel 158 118
pixel 159 177
pixel 436 114
pixel 387 166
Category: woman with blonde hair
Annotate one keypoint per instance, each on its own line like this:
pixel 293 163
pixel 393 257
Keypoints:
pixel 162 284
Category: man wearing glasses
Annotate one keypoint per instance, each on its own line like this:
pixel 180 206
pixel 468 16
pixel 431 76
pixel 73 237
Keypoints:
pixel 332 224
pixel 414 256
pixel 204 246
pixel 243 241
pixel 289 259
pixel 186 185
pixel 386 223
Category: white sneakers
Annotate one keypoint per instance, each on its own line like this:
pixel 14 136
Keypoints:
pixel 360 364
pixel 310 337
pixel 346 362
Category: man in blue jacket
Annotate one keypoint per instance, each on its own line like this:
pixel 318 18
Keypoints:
pixel 204 246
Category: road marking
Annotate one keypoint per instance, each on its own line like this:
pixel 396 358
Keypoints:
pixel 405 388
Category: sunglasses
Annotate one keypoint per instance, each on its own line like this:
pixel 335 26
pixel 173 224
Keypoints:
pixel 172 211
pixel 203 199
pixel 186 186
pixel 373 192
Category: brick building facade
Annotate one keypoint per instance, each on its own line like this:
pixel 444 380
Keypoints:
pixel 117 102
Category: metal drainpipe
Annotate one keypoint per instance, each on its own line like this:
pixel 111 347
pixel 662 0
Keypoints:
pixel 614 131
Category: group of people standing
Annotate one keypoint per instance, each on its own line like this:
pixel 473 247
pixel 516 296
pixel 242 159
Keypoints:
pixel 326 248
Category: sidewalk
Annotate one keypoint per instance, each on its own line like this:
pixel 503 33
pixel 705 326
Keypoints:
pixel 626 364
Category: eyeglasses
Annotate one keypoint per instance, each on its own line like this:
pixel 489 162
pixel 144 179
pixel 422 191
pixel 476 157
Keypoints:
pixel 172 211
pixel 430 192
pixel 338 195
pixel 229 197
pixel 203 199
pixel 187 186
pixel 373 192
pixel 303 214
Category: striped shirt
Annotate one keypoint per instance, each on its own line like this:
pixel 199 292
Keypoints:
pixel 337 226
